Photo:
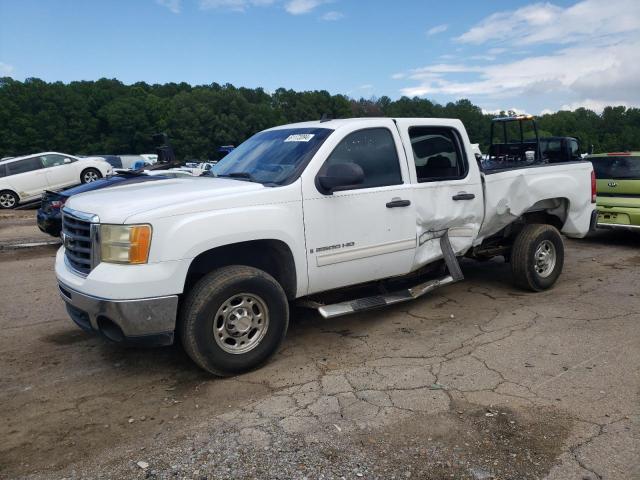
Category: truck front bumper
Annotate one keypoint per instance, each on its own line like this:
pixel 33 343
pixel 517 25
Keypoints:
pixel 145 321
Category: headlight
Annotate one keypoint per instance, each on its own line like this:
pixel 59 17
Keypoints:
pixel 125 243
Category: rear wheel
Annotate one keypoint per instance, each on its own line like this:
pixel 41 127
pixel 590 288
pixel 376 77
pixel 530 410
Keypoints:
pixel 90 175
pixel 537 257
pixel 8 199
pixel 234 319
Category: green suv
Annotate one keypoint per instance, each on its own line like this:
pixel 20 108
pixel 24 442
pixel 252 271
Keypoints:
pixel 618 187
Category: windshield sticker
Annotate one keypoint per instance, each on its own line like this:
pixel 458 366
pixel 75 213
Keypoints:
pixel 299 137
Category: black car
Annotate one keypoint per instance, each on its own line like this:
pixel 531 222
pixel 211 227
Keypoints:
pixel 49 214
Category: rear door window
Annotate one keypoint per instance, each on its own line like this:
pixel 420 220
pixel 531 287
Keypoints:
pixel 437 154
pixel 374 150
pixel 621 168
pixel 24 166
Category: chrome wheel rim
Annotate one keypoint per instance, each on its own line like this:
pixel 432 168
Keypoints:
pixel 7 200
pixel 241 323
pixel 90 177
pixel 545 258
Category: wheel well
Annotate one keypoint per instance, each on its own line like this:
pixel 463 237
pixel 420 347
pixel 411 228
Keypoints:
pixel 543 217
pixel 84 170
pixel 271 256
pixel 552 211
pixel 8 190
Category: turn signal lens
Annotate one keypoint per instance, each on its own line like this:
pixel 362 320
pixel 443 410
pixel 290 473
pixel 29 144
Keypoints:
pixel 125 243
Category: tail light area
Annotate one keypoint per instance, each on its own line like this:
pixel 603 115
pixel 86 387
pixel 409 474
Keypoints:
pixel 593 187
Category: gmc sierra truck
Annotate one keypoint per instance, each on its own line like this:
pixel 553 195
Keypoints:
pixel 296 214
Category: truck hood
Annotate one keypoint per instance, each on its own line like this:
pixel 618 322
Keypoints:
pixel 164 197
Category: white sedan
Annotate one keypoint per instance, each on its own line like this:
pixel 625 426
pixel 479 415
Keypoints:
pixel 26 178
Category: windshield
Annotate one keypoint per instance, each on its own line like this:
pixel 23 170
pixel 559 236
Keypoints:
pixel 272 157
pixel 626 167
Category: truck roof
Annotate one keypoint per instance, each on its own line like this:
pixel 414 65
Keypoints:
pixel 342 122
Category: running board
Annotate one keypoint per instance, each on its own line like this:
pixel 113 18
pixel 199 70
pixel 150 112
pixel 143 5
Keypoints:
pixel 377 301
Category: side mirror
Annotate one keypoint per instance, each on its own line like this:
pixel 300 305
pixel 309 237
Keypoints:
pixel 67 160
pixel 478 157
pixel 339 176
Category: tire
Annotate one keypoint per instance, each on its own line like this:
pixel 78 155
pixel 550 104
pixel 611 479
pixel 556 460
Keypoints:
pixel 213 336
pixel 537 257
pixel 89 175
pixel 8 199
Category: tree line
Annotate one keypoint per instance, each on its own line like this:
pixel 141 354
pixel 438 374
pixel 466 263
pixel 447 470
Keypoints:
pixel 109 117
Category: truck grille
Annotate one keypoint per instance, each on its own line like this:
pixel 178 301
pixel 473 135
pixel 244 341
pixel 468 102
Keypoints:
pixel 76 234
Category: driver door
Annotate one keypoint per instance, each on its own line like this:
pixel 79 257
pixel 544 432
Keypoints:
pixel 367 231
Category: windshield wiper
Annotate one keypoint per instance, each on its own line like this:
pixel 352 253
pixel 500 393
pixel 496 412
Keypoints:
pixel 241 175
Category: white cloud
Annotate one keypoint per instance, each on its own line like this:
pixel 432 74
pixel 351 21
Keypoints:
pixel 5 69
pixel 548 23
pixel 586 71
pixel 590 104
pixel 300 7
pixel 437 29
pixel 591 60
pixel 173 5
pixel 489 58
pixel 294 7
pixel 234 5
pixel 332 16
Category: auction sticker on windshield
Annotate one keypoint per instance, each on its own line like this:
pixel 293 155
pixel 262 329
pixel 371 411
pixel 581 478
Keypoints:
pixel 299 137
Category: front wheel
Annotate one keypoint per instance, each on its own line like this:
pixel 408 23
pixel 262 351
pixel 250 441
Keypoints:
pixel 90 175
pixel 8 199
pixel 537 257
pixel 233 320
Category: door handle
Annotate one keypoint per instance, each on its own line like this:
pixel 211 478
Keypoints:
pixel 464 196
pixel 398 203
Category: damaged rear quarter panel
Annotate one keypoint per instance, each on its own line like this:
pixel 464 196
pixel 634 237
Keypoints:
pixel 510 194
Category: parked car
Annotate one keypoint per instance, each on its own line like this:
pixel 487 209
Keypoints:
pixel 618 186
pixel 560 149
pixel 23 179
pixel 49 217
pixel 126 162
pixel 300 210
pixel 196 169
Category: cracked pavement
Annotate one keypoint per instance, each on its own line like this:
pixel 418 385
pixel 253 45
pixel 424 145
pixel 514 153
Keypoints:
pixel 477 380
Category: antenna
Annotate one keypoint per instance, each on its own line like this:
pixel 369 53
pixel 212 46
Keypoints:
pixel 326 117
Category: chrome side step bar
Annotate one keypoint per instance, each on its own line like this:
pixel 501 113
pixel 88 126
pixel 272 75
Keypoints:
pixel 377 301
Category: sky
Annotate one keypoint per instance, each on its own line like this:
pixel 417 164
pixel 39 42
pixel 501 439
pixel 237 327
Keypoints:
pixel 534 57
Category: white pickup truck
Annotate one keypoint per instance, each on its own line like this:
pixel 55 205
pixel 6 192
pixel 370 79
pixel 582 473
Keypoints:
pixel 303 209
